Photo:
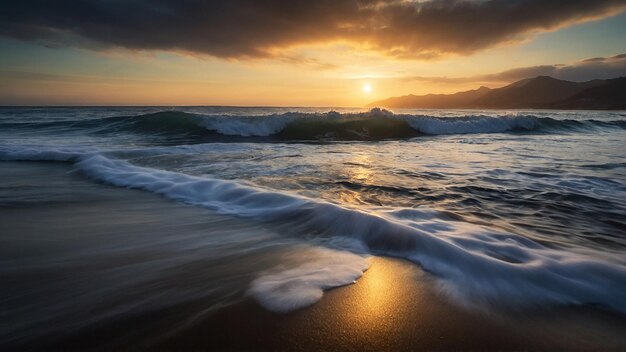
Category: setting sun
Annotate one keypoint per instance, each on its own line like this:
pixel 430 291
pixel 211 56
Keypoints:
pixel 367 88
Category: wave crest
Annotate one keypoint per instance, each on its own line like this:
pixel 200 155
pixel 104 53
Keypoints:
pixel 474 264
pixel 376 124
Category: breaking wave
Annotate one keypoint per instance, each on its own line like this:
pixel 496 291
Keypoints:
pixel 376 124
pixel 474 264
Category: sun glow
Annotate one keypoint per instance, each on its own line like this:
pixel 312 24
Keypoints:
pixel 367 88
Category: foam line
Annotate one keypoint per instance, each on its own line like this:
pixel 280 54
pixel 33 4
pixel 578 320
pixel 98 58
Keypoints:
pixel 376 124
pixel 285 289
pixel 474 264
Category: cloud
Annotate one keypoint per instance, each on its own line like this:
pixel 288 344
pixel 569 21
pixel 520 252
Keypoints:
pixel 585 70
pixel 261 28
pixel 601 68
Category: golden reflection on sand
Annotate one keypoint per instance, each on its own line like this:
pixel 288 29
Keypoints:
pixel 380 297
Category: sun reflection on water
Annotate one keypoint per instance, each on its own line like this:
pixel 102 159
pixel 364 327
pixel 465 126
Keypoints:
pixel 359 168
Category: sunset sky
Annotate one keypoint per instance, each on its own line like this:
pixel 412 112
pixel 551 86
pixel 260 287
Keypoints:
pixel 295 53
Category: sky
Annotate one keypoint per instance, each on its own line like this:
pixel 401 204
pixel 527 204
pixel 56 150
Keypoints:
pixel 329 53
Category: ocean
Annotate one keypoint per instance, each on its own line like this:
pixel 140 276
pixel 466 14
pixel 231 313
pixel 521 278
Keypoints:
pixel 111 212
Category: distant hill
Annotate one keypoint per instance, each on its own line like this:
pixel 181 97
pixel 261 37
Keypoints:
pixel 541 92
pixel 536 92
pixel 609 96
pixel 434 101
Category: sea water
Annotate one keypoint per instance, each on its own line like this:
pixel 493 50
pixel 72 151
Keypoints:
pixel 508 209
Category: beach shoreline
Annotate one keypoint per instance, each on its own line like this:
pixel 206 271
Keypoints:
pixel 393 306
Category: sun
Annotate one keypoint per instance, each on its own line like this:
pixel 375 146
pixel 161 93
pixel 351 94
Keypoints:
pixel 367 88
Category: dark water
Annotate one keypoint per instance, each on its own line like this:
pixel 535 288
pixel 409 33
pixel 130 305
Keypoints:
pixel 516 208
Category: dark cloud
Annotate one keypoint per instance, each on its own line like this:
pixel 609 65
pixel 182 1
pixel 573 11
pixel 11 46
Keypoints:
pixel 256 28
pixel 598 67
pixel 585 70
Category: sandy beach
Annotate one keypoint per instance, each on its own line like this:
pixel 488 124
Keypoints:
pixel 390 308
pixel 394 306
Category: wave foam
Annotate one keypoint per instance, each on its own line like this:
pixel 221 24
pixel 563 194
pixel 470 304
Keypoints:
pixel 474 264
pixel 282 290
pixel 39 153
pixel 473 124
pixel 375 124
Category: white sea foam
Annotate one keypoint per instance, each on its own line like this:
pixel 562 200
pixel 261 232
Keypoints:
pixel 332 122
pixel 471 124
pixel 285 289
pixel 474 264
pixel 43 153
pixel 434 125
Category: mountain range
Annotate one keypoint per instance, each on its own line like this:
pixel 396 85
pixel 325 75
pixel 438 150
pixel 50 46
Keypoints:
pixel 541 92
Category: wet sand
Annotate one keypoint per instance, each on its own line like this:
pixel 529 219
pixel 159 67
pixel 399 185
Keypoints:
pixel 389 309
pixel 392 307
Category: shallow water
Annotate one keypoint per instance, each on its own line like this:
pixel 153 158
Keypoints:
pixel 502 208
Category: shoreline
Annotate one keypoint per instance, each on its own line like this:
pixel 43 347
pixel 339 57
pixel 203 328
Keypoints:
pixel 391 307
